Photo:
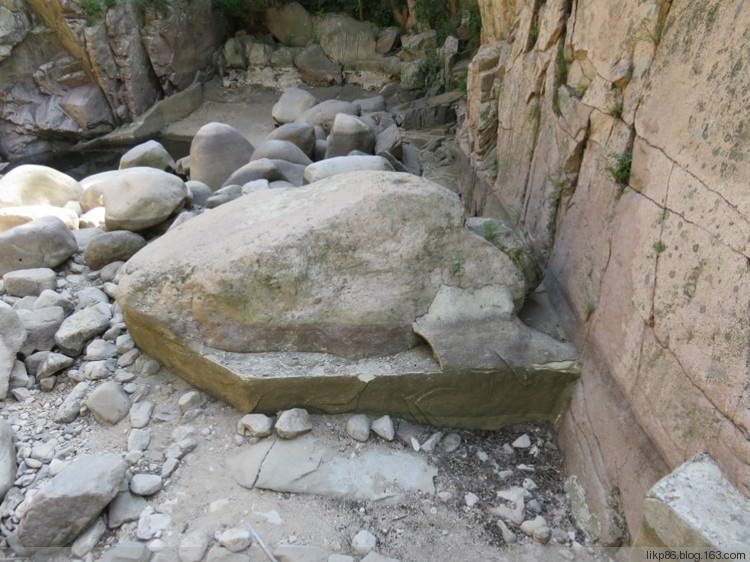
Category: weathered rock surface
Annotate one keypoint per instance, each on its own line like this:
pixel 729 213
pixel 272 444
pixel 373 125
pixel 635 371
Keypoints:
pixel 269 170
pixel 45 242
pixel 344 39
pixel 41 326
pixel 303 465
pixel 277 149
pixel 109 403
pixel 688 508
pixel 216 151
pixel 71 501
pixel 293 423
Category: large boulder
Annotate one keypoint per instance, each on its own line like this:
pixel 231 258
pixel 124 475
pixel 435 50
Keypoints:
pixel 347 134
pixel 316 68
pixel 270 170
pixel 94 187
pixel 290 24
pixel 71 501
pixel 343 164
pixel 150 153
pixel 345 39
pixel 275 149
pixel 31 184
pixel 325 112
pixel 45 242
pixel 216 151
pixel 344 266
pixel 292 103
pixel 140 197
pixel 301 134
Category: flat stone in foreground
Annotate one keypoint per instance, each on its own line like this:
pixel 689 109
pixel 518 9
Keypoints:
pixel 305 466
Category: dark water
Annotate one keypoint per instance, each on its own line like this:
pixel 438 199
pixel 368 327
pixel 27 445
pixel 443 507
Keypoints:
pixel 82 163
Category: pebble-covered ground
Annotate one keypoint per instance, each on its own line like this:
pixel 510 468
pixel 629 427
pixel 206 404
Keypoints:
pixel 493 490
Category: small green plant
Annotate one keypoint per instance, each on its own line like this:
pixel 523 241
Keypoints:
pixel 589 309
pixel 659 247
pixel 619 166
pixel 91 8
pixel 561 65
pixel 433 71
pixel 580 89
pixel 534 111
pixel 458 264
pixel 615 110
pixel 662 215
pixel 652 34
pixel 556 101
pixel 490 230
pixel 535 32
pixel 461 84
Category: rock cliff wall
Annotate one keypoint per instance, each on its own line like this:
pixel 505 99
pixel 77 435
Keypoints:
pixel 68 74
pixel 616 135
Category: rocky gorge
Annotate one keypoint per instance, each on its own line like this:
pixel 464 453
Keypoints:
pixel 280 277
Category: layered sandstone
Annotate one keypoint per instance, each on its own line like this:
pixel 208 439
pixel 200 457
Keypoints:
pixel 615 135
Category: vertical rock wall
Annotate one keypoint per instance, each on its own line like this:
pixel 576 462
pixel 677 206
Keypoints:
pixel 616 135
pixel 67 74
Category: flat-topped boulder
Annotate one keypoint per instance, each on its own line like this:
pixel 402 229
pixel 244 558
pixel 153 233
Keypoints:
pixel 309 296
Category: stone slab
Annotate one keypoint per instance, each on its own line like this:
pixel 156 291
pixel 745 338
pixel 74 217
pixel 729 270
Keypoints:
pixel 408 385
pixel 305 465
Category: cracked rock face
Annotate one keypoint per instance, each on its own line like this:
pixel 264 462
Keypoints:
pixel 651 259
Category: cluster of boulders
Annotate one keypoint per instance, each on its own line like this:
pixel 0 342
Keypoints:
pixel 333 49
pixel 314 140
pixel 63 244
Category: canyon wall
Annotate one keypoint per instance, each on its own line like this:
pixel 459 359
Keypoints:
pixel 68 73
pixel 616 136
